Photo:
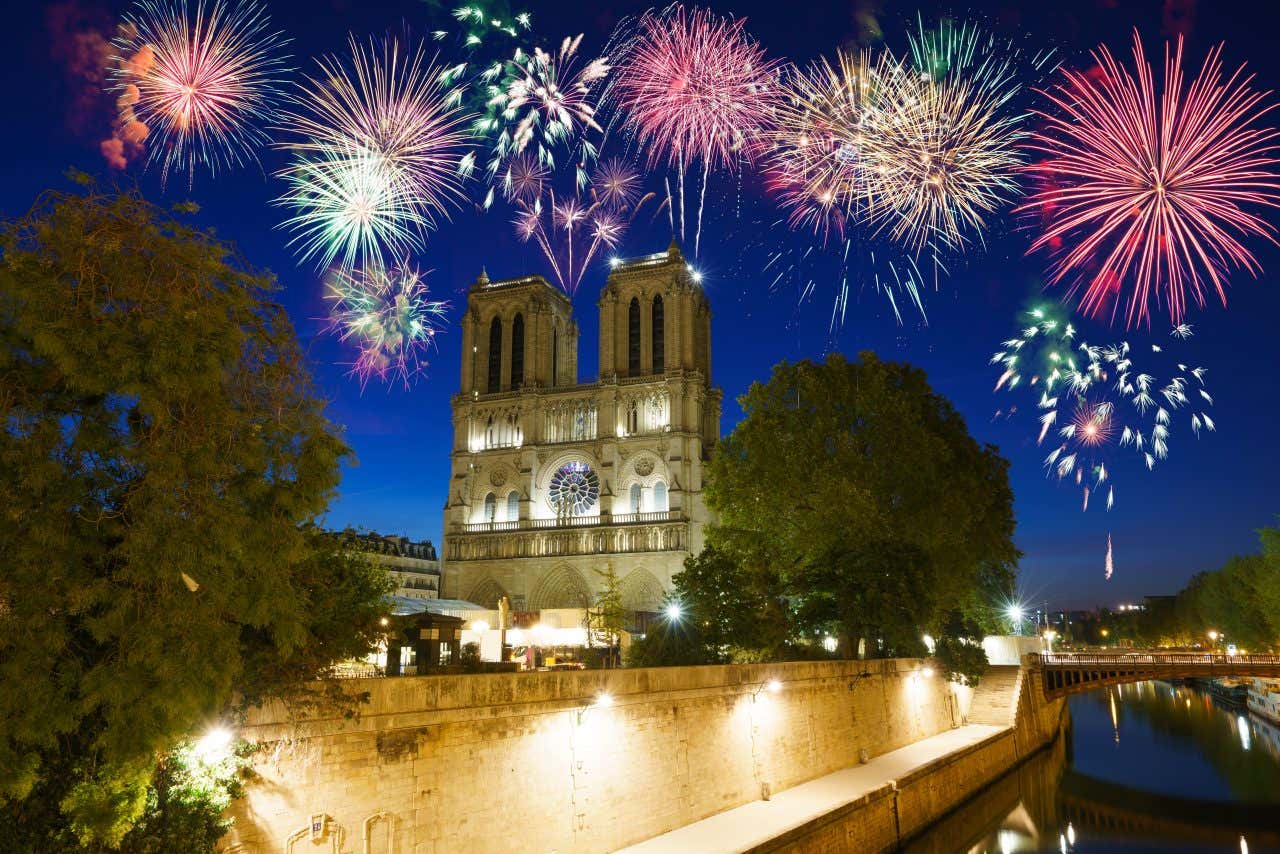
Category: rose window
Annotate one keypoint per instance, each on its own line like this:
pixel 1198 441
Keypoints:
pixel 575 488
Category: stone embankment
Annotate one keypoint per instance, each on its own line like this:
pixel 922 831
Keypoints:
pixel 837 755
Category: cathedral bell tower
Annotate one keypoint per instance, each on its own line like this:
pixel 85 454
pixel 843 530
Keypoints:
pixel 654 318
pixel 517 333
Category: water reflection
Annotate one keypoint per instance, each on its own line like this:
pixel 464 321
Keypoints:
pixel 1147 767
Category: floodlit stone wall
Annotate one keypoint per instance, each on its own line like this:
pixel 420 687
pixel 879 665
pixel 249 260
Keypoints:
pixel 886 819
pixel 535 762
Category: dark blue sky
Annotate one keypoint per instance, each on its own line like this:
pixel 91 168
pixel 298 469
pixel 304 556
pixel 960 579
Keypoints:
pixel 1196 509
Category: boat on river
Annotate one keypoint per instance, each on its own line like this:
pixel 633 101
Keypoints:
pixel 1263 699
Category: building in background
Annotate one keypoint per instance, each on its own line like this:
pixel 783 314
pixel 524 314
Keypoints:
pixel 554 481
pixel 414 566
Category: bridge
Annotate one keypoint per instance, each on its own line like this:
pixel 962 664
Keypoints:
pixel 1074 672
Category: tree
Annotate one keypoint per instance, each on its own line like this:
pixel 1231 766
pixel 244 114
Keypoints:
pixel 606 618
pixel 731 606
pixel 862 490
pixel 163 456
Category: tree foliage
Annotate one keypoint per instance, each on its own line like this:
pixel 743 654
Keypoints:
pixel 606 617
pixel 862 493
pixel 163 455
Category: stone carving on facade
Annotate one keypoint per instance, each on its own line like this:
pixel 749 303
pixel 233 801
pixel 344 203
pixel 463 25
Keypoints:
pixel 644 466
pixel 498 477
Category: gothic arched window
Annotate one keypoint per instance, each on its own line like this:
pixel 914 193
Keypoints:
pixel 659 350
pixel 513 506
pixel 635 498
pixel 490 507
pixel 633 338
pixel 495 355
pixel 517 351
pixel 660 497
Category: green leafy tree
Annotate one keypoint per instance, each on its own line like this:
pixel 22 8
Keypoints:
pixel 730 606
pixel 163 455
pixel 607 618
pixel 863 492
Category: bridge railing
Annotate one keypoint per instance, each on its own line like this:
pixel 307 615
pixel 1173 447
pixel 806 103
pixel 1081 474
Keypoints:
pixel 1157 659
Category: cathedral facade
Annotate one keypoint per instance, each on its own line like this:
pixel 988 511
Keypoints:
pixel 555 481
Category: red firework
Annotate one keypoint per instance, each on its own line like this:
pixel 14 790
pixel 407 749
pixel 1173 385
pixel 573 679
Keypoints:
pixel 1149 191
pixel 694 86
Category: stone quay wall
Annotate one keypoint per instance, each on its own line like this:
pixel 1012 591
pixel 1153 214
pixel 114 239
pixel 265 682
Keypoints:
pixel 534 762
pixel 883 820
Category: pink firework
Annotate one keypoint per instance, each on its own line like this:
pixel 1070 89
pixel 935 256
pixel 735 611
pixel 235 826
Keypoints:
pixel 200 78
pixel 1145 192
pixel 693 88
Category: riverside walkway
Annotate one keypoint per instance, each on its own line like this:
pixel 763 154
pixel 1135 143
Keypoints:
pixel 763 824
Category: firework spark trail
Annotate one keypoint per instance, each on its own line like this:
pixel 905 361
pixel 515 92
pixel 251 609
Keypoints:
pixel 201 79
pixel 1156 184
pixel 1110 564
pixel 387 314
pixel 572 228
pixel 377 144
pixel 692 87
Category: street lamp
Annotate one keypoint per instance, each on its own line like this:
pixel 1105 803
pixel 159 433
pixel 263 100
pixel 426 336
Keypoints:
pixel 1050 635
pixel 1016 613
pixel 674 612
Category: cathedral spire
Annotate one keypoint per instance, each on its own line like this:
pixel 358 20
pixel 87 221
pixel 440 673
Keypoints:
pixel 673 251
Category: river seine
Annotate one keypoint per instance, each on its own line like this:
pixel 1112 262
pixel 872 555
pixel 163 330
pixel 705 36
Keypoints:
pixel 1151 767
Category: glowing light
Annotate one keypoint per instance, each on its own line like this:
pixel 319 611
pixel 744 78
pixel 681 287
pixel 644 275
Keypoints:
pixel 1146 189
pixel 773 686
pixel 385 621
pixel 195 82
pixel 480 626
pixel 830 644
pixel 214 746
pixel 604 700
pixel 674 612
pixel 926 672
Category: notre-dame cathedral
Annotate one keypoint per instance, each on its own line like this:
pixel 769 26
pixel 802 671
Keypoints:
pixel 554 480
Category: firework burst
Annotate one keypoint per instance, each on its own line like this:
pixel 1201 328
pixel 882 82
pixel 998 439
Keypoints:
pixel 945 152
pixel 539 104
pixel 693 88
pixel 376 150
pixel 199 80
pixel 386 313
pixel 1146 189
pixel 1097 399
pixel 817 137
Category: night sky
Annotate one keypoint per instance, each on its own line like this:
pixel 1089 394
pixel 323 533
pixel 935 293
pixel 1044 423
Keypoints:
pixel 1196 509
